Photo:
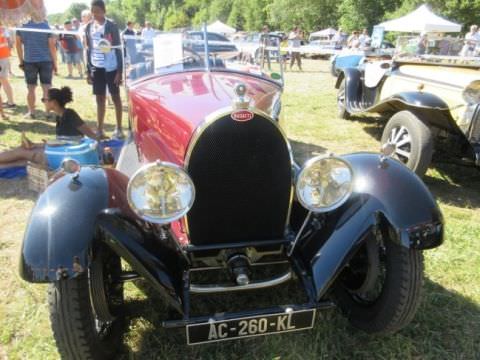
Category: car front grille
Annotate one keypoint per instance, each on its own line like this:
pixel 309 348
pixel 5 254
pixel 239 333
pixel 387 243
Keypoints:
pixel 243 182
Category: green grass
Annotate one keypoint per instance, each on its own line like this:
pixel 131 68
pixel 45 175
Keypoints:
pixel 447 325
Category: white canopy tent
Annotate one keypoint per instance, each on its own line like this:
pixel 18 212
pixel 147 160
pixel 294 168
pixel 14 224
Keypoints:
pixel 324 33
pixel 421 20
pixel 221 28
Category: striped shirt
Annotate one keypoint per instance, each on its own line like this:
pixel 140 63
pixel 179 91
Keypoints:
pixel 35 44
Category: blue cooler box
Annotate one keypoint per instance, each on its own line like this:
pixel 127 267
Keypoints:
pixel 85 153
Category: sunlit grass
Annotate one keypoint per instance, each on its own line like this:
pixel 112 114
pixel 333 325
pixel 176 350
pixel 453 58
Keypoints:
pixel 447 325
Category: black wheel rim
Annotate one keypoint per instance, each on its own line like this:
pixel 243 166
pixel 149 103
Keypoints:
pixel 363 282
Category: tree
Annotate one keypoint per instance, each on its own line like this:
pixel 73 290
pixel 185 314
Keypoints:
pixel 358 14
pixel 309 15
pixel 175 18
pixel 73 11
pixel 236 18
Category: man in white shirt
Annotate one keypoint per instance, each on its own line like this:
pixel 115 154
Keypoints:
pixel 472 41
pixel 148 33
pixel 364 39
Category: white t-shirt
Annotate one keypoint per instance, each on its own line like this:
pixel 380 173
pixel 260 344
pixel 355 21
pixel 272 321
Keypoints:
pixel 99 59
pixel 148 35
pixel 97 33
pixel 364 40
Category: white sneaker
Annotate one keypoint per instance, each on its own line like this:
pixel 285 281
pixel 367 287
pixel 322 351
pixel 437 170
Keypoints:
pixel 118 134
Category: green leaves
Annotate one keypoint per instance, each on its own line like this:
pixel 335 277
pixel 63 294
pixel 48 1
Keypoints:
pixel 251 15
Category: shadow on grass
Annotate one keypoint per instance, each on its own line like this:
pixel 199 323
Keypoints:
pixel 16 189
pixel 36 126
pixel 304 151
pixel 456 185
pixel 446 326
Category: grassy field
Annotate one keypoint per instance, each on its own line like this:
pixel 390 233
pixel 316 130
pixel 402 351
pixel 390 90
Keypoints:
pixel 447 325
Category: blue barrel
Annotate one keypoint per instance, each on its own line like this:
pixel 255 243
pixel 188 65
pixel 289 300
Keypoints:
pixel 85 153
pixel 115 146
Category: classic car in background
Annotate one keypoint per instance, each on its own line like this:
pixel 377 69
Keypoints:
pixel 252 49
pixel 219 44
pixel 208 184
pixel 350 58
pixel 434 100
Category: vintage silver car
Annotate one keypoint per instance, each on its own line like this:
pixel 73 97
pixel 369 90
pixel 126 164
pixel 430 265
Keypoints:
pixel 433 101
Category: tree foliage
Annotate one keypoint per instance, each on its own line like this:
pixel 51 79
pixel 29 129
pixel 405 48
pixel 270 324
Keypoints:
pixel 73 11
pixel 251 15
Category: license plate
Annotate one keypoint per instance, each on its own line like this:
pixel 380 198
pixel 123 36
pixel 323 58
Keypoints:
pixel 250 326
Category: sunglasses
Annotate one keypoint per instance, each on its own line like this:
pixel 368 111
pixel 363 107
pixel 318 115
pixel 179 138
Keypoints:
pixel 44 100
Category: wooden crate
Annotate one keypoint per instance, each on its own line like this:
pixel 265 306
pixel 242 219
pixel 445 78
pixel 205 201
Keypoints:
pixel 38 177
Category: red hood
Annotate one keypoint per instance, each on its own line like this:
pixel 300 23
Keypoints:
pixel 166 110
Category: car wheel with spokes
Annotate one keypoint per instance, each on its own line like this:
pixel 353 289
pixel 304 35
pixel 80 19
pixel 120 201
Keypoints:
pixel 342 112
pixel 380 289
pixel 411 139
pixel 84 311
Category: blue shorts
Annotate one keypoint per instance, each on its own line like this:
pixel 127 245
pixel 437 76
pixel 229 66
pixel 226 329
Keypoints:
pixel 35 70
pixel 73 58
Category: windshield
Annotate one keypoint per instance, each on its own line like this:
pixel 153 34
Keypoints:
pixel 172 52
pixel 435 48
pixel 158 52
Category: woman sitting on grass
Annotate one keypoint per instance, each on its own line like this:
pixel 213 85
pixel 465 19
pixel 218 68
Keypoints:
pixel 69 123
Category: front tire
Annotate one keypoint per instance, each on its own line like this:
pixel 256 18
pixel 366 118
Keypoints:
pixel 79 332
pixel 342 112
pixel 380 290
pixel 412 139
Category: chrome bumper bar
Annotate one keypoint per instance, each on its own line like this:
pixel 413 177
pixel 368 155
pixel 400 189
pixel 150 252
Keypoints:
pixel 208 289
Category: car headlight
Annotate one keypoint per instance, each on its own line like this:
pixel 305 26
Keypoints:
pixel 160 192
pixel 471 94
pixel 324 183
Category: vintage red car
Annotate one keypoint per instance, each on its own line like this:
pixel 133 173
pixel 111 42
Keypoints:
pixel 208 183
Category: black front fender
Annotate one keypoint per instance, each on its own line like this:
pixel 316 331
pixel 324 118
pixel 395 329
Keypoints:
pixel 62 226
pixel 384 191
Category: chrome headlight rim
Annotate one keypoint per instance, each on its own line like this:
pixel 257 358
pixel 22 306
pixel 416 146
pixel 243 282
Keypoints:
pixel 157 220
pixel 338 203
pixel 471 93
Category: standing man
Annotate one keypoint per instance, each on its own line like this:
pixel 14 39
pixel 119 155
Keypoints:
pixel 5 67
pixel 364 39
pixel 104 65
pixel 37 58
pixel 148 33
pixel 472 40
pixel 264 44
pixel 295 41
pixel 128 36
pixel 73 53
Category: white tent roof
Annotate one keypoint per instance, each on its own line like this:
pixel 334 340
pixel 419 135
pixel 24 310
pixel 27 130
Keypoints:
pixel 324 32
pixel 221 28
pixel 421 20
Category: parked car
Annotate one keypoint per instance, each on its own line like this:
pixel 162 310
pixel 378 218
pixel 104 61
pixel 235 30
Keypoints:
pixel 434 101
pixel 251 47
pixel 219 44
pixel 350 58
pixel 207 183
